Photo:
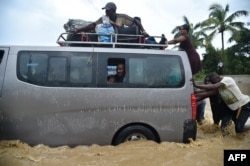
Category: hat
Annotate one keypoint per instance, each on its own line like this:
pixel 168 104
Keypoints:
pixel 185 26
pixel 110 5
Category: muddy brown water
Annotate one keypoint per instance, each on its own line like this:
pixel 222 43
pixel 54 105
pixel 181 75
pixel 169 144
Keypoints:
pixel 207 149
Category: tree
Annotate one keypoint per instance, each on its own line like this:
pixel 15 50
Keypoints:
pixel 218 22
pixel 210 60
pixel 242 46
pixel 239 54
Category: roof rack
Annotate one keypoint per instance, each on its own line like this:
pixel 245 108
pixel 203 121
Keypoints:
pixel 117 40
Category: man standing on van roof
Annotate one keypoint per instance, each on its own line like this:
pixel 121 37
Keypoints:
pixel 117 20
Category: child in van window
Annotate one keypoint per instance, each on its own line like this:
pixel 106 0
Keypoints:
pixel 111 79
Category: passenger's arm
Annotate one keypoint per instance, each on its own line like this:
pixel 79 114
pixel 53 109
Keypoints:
pixel 209 86
pixel 86 28
pixel 177 40
pixel 206 93
pixel 199 90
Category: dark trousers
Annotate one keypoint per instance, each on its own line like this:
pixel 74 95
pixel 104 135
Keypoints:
pixel 219 108
pixel 200 111
pixel 239 121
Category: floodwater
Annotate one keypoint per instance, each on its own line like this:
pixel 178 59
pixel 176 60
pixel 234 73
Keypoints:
pixel 207 149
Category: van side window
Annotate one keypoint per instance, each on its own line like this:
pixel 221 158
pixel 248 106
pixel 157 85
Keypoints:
pixel 156 72
pixel 1 55
pixel 60 69
pixel 116 70
pixel 33 67
pixel 175 75
pixel 137 71
pixel 57 69
pixel 80 70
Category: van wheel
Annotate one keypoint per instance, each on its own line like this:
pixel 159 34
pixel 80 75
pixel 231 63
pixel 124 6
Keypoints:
pixel 133 133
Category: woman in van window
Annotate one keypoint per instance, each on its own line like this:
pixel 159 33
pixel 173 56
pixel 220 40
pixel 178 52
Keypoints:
pixel 186 45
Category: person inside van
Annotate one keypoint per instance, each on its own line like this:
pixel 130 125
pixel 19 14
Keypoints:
pixel 117 20
pixel 111 79
pixel 120 72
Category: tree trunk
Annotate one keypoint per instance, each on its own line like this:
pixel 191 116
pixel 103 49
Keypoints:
pixel 222 53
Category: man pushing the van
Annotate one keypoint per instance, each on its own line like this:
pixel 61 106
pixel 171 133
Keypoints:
pixel 232 96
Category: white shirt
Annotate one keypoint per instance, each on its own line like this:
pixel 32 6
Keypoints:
pixel 231 94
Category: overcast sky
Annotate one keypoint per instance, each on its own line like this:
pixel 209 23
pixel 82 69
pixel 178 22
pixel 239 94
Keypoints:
pixel 39 22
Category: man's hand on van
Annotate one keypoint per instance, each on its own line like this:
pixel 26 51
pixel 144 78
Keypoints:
pixel 193 81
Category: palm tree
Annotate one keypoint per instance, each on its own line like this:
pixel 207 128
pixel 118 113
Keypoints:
pixel 218 22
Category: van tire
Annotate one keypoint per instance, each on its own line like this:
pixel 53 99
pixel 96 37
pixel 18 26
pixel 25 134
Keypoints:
pixel 133 133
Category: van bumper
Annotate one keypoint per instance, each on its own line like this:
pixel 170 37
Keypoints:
pixel 190 130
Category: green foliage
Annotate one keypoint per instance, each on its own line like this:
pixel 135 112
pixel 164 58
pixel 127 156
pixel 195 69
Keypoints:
pixel 200 76
pixel 220 22
pixel 238 56
pixel 237 59
pixel 238 65
pixel 211 59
